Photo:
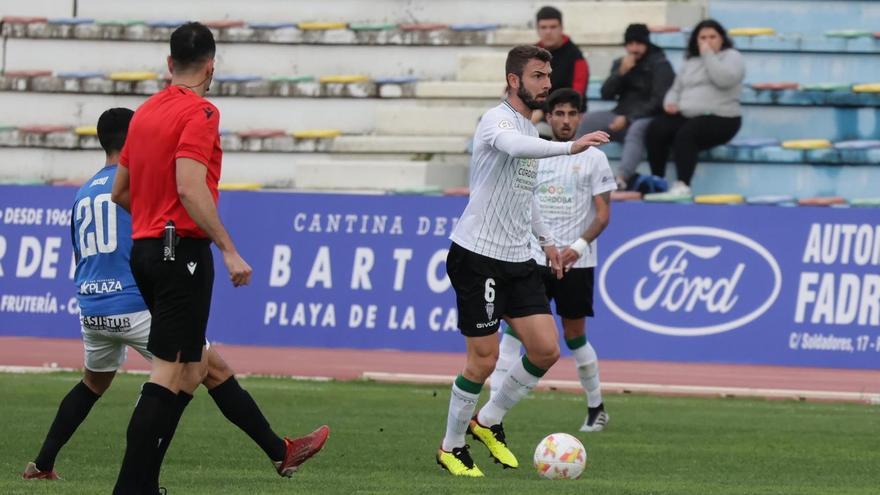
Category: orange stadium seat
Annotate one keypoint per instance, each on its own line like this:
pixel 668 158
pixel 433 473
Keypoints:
pixel 224 23
pixel 262 133
pixel 626 196
pixel 822 201
pixel 775 85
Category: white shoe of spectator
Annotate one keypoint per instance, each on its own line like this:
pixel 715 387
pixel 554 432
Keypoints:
pixel 680 188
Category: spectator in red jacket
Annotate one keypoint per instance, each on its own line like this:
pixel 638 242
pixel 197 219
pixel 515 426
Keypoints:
pixel 570 69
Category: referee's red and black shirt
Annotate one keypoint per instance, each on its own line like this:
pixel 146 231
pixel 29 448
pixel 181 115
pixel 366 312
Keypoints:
pixel 174 123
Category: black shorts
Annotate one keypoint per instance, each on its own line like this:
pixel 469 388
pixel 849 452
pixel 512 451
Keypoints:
pixel 573 293
pixel 178 294
pixel 487 289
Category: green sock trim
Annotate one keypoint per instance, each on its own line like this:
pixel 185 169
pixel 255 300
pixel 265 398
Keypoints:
pixel 467 385
pixel 531 368
pixel 509 331
pixel 577 342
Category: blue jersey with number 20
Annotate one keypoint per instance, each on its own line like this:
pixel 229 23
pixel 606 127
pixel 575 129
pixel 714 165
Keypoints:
pixel 101 234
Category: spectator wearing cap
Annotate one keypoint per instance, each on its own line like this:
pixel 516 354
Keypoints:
pixel 702 108
pixel 638 82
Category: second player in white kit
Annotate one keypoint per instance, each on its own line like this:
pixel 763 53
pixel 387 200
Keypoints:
pixel 573 195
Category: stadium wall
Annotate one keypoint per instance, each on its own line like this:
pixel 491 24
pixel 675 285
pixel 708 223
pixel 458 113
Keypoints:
pixel 689 283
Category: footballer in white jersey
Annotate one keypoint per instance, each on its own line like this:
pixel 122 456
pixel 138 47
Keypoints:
pixel 573 195
pixel 490 263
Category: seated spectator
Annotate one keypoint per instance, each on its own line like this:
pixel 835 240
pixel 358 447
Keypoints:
pixel 638 81
pixel 570 69
pixel 702 108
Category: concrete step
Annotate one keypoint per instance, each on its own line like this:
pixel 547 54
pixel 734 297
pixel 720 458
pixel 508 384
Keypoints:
pixel 577 12
pixel 284 170
pixel 804 15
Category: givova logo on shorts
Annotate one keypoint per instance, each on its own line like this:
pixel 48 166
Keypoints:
pixel 690 281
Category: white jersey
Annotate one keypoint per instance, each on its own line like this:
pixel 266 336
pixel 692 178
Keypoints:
pixel 497 221
pixel 565 190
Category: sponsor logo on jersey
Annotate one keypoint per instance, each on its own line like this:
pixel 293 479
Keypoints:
pixel 106 323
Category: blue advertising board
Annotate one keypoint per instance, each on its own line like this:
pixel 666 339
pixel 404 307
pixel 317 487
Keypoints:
pixel 690 283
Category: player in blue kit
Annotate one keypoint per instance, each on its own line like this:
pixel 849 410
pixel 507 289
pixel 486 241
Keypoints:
pixel 113 317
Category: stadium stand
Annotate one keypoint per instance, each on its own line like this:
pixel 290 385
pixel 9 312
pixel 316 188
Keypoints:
pixel 324 77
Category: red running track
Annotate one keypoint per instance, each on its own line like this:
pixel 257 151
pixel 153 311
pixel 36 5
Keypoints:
pixel 348 364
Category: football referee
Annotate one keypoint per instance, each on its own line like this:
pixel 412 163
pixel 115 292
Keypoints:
pixel 168 175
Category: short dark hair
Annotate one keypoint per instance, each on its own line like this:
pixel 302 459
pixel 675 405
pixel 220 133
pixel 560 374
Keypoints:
pixel 694 48
pixel 192 44
pixel 548 13
pixel 562 96
pixel 113 127
pixel 519 56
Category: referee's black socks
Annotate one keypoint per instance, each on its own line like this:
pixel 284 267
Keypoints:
pixel 181 401
pixel 239 408
pixel 148 425
pixel 71 413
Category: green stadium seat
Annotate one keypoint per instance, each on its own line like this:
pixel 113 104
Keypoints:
pixel 848 33
pixel 865 203
pixel 365 26
pixel 418 191
pixel 666 197
pixel 827 87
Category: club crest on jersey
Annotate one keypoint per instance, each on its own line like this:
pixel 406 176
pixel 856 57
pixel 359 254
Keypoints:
pixel 505 124
pixel 191 266
pixel 490 310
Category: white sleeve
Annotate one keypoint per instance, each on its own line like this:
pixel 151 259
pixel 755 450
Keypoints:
pixel 501 134
pixel 539 229
pixel 601 176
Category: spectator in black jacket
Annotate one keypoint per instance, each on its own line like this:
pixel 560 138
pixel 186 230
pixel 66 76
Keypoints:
pixel 638 81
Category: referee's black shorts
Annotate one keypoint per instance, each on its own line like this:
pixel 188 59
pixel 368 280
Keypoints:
pixel 573 294
pixel 178 294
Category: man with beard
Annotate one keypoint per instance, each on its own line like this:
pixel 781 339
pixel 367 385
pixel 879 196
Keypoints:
pixel 638 82
pixel 574 194
pixel 490 263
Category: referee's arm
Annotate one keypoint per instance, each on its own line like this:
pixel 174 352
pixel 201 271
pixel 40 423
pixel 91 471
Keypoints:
pixel 196 198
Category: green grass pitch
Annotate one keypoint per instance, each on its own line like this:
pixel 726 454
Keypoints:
pixel 384 438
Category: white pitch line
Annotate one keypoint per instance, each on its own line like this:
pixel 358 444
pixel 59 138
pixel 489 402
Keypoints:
pixel 652 388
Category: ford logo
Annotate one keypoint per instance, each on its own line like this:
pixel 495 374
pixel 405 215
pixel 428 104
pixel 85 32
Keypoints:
pixel 690 281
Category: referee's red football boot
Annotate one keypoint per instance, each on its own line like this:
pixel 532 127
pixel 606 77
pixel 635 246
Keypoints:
pixel 32 473
pixel 299 450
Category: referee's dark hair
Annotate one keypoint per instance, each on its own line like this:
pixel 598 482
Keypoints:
pixel 192 44
pixel 548 13
pixel 113 128
pixel 562 96
pixel 519 56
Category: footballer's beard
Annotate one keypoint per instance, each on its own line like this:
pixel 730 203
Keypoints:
pixel 564 134
pixel 530 100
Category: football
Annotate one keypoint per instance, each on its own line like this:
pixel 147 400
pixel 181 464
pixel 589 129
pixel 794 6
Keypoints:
pixel 560 456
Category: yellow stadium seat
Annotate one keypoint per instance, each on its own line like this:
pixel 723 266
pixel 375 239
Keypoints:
pixel 719 199
pixel 240 186
pixel 344 79
pixel 133 76
pixel 751 32
pixel 806 144
pixel 86 130
pixel 317 134
pixel 321 26
pixel 866 88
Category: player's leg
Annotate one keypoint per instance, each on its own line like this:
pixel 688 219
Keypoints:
pixel 103 356
pixel 237 405
pixel 587 363
pixel 574 305
pixel 480 300
pixel 509 352
pixel 482 352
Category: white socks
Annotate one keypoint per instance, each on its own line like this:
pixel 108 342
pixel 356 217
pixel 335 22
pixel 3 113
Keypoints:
pixel 508 354
pixel 462 404
pixel 520 380
pixel 588 371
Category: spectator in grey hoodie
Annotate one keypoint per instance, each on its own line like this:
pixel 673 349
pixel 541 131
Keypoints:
pixel 702 107
pixel 638 81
